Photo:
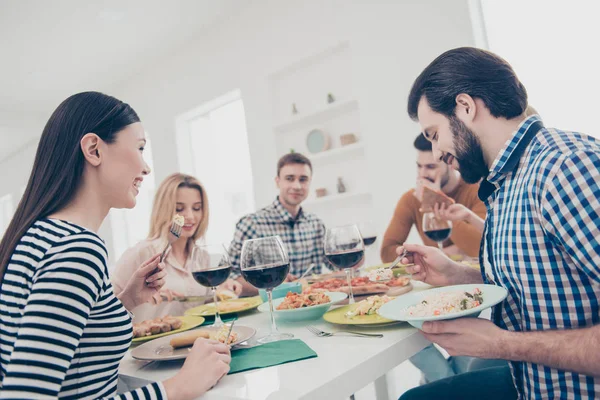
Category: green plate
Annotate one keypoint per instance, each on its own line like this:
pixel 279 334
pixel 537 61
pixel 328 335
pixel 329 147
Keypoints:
pixel 189 322
pixel 245 304
pixel 338 316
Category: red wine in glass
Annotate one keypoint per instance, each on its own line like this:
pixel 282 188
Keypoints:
pixel 212 277
pixel 266 276
pixel 438 235
pixel 346 259
pixel 369 240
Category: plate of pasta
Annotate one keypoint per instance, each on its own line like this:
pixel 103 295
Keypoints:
pixel 303 306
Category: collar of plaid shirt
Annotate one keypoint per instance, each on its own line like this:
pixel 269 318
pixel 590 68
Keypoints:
pixel 285 214
pixel 508 159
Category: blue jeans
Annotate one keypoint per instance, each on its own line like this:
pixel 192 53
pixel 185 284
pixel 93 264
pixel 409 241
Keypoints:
pixel 489 384
pixel 435 366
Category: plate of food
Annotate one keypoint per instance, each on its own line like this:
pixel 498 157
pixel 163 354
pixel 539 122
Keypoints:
pixel 363 312
pixel 226 307
pixel 178 346
pixel 303 306
pixel 163 326
pixel 443 303
pixel 363 286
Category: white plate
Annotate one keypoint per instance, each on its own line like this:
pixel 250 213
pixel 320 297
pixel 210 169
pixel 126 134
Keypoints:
pixel 396 309
pixel 161 350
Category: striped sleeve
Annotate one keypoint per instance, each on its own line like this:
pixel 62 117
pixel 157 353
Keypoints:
pixel 64 290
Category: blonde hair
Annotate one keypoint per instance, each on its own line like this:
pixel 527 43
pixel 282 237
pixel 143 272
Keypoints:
pixel 165 203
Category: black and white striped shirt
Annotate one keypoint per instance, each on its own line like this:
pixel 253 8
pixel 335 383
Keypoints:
pixel 62 330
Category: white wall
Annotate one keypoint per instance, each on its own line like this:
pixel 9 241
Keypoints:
pixel 391 42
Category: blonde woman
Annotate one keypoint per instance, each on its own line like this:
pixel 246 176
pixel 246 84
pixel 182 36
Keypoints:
pixel 178 194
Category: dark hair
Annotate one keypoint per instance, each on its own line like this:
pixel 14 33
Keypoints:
pixel 478 73
pixel 293 158
pixel 59 161
pixel 422 144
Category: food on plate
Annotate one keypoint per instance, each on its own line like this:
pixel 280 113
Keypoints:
pixel 293 301
pixel 226 307
pixel 360 285
pixel 221 335
pixel 432 197
pixel 443 303
pixel 400 281
pixel 224 294
pixel 188 339
pixel 369 306
pixel 380 274
pixel 156 326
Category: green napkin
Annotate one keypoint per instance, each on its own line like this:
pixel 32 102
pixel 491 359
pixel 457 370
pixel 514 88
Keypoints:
pixel 225 318
pixel 266 355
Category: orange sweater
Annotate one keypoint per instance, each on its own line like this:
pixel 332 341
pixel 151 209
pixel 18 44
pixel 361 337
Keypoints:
pixel 407 214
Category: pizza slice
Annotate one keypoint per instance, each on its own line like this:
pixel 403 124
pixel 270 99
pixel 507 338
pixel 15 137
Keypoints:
pixel 432 197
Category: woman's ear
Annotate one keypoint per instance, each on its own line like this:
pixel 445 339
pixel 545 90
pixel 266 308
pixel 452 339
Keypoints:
pixel 90 146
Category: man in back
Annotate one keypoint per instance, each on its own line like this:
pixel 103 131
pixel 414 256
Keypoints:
pixel 302 233
pixel 465 238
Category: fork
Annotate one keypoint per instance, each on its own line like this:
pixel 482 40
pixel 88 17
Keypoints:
pixel 316 331
pixel 174 233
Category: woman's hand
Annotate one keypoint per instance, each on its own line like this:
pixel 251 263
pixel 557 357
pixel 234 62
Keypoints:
pixel 206 364
pixel 146 281
pixel 232 285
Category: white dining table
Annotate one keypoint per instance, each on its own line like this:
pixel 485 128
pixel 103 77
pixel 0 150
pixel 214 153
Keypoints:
pixel 343 366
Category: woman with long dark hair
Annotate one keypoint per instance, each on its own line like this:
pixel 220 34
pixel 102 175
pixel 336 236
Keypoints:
pixel 63 331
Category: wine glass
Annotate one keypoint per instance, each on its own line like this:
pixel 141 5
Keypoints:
pixel 368 233
pixel 436 229
pixel 211 266
pixel 265 265
pixel 344 249
pixel 369 236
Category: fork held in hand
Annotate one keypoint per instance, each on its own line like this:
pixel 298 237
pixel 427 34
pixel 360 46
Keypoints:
pixel 321 333
pixel 174 234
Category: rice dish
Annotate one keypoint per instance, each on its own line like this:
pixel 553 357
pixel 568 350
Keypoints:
pixel 444 303
pixel 380 274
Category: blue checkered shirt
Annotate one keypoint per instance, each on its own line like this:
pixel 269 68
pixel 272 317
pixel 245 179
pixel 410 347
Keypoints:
pixel 541 244
pixel 303 237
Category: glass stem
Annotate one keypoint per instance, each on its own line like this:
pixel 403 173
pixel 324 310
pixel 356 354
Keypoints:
pixel 218 321
pixel 441 246
pixel 273 325
pixel 349 279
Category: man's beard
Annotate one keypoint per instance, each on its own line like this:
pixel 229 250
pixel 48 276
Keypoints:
pixel 469 154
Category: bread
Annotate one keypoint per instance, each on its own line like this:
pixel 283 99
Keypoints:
pixel 432 197
pixel 188 339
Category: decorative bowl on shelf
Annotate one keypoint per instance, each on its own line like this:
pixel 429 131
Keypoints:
pixel 321 192
pixel 317 141
pixel 348 138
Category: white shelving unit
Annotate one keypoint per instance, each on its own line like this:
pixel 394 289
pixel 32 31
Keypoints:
pixel 337 198
pixel 305 85
pixel 322 114
pixel 337 153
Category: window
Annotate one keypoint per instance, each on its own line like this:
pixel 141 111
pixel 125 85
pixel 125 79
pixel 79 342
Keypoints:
pixel 129 226
pixel 213 147
pixel 554 57
pixel 6 212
